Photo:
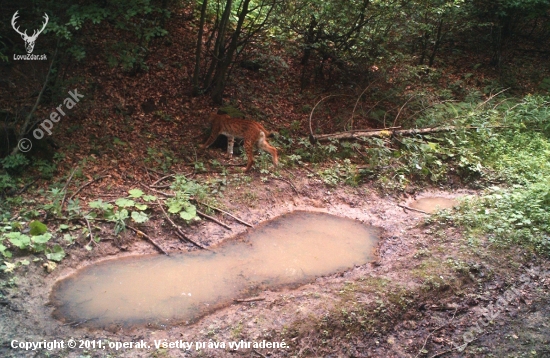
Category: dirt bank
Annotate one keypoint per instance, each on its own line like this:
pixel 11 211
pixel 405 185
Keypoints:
pixel 427 288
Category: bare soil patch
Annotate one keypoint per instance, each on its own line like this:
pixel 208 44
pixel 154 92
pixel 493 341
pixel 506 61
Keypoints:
pixel 427 288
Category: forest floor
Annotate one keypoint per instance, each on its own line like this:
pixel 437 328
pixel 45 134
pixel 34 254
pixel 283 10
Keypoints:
pixel 425 295
pixel 427 288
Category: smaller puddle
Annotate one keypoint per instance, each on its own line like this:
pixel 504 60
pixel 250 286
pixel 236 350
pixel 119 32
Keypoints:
pixel 433 204
pixel 291 249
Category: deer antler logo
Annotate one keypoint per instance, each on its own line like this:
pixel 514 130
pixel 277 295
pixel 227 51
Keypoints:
pixel 29 40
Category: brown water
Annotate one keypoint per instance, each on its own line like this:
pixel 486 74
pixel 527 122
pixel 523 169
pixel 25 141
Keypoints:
pixel 291 249
pixel 433 204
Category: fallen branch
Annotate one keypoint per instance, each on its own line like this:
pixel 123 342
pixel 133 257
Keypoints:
pixel 139 232
pixel 224 212
pixel 181 235
pixel 85 185
pixel 252 299
pixel 213 219
pixel 413 209
pixel 387 132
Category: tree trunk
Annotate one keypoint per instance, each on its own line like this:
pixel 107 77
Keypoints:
pixel 309 41
pixel 220 77
pixel 438 38
pixel 198 50
pixel 219 46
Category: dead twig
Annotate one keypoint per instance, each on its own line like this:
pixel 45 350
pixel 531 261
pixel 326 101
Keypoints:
pixel 288 182
pixel 153 170
pixel 26 187
pixel 400 109
pixel 462 347
pixel 258 353
pixel 356 103
pixel 311 136
pixel 432 332
pixel 224 212
pixel 161 179
pixel 213 219
pixel 491 97
pixel 413 209
pixel 66 185
pixel 158 191
pixel 89 231
pixel 181 235
pixel 85 185
pixel 139 232
pixel 251 299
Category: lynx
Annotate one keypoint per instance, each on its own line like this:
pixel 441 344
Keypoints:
pixel 252 132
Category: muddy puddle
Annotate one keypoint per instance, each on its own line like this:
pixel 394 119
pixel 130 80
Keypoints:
pixel 433 204
pixel 289 250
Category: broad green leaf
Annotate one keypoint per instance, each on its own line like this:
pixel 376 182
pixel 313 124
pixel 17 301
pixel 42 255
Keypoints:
pixel 41 239
pixel 99 204
pixel 140 206
pixel 56 253
pixel 37 228
pixel 19 240
pixel 121 215
pixel 135 193
pixel 124 203
pixel 2 249
pixel 189 213
pixel 174 207
pixel 149 197
pixel 63 227
pixel 69 238
pixel 139 217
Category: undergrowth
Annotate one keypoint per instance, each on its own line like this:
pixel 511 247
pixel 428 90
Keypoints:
pixel 516 156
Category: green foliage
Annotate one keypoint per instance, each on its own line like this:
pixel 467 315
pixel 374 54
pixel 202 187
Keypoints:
pixel 142 19
pixel 37 228
pixel 517 154
pixel 46 169
pixel 340 173
pixel 36 242
pixel 519 215
pixel 315 153
pixel 15 164
pixel 55 195
pixel 56 253
pixel 6 182
pixel 118 213
pixel 185 189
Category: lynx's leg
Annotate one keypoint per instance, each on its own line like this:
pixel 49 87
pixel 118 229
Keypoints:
pixel 230 143
pixel 249 148
pixel 213 135
pixel 263 144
